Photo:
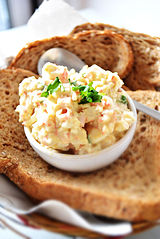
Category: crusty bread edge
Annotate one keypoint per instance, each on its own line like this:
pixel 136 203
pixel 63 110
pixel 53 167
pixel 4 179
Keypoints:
pixel 130 52
pixel 74 31
pixel 15 69
pixel 23 51
pixel 58 38
pixel 122 208
pixel 5 161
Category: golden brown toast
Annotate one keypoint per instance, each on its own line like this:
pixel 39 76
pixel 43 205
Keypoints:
pixel 107 49
pixel 9 82
pixel 127 189
pixel 145 74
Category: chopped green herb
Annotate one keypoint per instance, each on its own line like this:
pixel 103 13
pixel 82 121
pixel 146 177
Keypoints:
pixel 72 83
pixel 88 93
pixel 79 87
pixel 89 141
pixel 123 99
pixel 45 94
pixel 102 94
pixel 52 87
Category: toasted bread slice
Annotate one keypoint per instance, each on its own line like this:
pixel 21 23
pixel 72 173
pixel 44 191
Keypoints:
pixel 4 162
pixel 9 82
pixel 145 73
pixel 127 189
pixel 106 49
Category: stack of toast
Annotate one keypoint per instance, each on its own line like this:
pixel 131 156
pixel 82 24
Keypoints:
pixel 127 189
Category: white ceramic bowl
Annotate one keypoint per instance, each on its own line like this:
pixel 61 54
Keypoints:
pixel 87 162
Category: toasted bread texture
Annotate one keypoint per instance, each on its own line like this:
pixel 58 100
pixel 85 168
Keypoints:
pixel 9 82
pixel 127 189
pixel 145 73
pixel 107 49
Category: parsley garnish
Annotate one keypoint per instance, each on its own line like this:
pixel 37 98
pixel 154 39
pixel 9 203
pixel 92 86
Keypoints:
pixel 52 87
pixel 45 94
pixel 88 93
pixel 123 99
pixel 89 141
pixel 72 83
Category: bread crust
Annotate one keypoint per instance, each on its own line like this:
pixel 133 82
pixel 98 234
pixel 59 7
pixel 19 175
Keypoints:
pixel 146 50
pixel 4 163
pixel 110 206
pixel 106 49
pixel 127 189
pixel 7 76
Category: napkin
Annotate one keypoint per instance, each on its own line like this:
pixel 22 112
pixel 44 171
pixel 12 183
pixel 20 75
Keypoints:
pixel 14 200
pixel 53 18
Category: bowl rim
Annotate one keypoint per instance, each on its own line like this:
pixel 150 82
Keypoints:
pixel 54 152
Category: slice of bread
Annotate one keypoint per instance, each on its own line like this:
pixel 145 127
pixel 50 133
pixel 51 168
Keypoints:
pixel 145 73
pixel 9 130
pixel 127 189
pixel 106 49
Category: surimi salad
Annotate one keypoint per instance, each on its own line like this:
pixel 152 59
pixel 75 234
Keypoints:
pixel 81 112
